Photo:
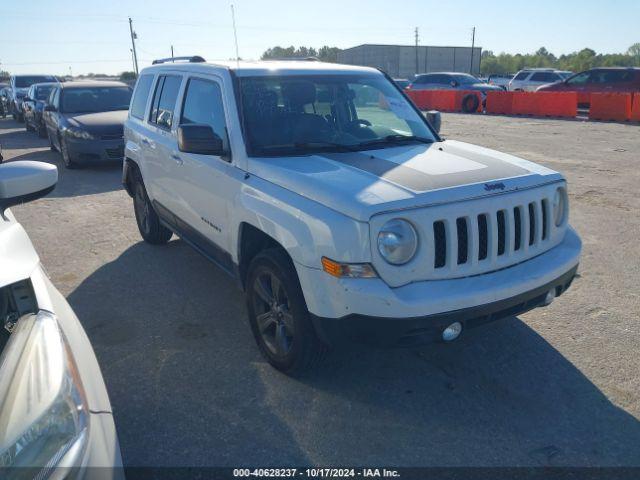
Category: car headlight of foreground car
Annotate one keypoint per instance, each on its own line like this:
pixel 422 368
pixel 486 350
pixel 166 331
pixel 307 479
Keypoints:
pixel 397 241
pixel 78 133
pixel 44 417
pixel 559 206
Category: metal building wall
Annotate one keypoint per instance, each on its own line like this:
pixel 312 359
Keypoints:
pixel 399 61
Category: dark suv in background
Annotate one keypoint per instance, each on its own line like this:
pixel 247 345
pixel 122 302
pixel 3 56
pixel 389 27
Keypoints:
pixel 33 106
pixel 85 121
pixel 598 80
pixel 19 86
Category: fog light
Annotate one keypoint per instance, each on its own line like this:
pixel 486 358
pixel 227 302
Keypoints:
pixel 452 331
pixel 551 295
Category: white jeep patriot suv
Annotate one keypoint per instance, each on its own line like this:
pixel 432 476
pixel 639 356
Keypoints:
pixel 338 208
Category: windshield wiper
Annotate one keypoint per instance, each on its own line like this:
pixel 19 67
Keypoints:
pixel 395 139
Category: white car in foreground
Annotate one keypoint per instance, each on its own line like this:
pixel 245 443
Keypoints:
pixel 337 206
pixel 55 415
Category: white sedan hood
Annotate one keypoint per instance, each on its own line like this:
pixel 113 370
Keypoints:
pixel 362 184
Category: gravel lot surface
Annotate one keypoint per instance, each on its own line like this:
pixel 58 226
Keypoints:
pixel 557 386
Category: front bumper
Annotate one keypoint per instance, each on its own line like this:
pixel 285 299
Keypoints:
pixel 371 302
pixel 95 151
pixel 421 330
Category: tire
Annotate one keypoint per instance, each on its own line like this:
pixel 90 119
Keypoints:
pixel 278 314
pixel 28 127
pixel 470 103
pixel 42 132
pixel 52 147
pixel 66 156
pixel 149 226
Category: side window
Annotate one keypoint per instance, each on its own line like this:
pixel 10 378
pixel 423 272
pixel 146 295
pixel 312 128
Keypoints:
pixel 164 100
pixel 139 101
pixel 544 77
pixel 579 79
pixel 441 79
pixel 521 76
pixel 53 98
pixel 424 79
pixel 203 105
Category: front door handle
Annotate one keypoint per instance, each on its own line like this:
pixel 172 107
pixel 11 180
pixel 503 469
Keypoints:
pixel 177 158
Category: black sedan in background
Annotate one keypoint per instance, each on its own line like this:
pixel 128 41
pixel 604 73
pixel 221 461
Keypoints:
pixel 33 107
pixel 85 121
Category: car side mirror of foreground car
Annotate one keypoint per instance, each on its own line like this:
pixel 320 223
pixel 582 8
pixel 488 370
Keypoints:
pixel 435 119
pixel 25 181
pixel 198 138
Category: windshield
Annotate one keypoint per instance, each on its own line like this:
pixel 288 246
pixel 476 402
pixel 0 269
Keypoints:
pixel 42 93
pixel 25 82
pixel 95 99
pixel 293 115
pixel 466 79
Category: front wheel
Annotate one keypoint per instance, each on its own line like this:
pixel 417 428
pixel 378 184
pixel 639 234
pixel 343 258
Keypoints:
pixel 66 156
pixel 278 314
pixel 149 225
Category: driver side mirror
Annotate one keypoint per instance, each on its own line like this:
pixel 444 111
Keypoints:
pixel 454 83
pixel 25 181
pixel 435 119
pixel 201 139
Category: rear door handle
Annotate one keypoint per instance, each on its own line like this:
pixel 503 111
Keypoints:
pixel 177 158
pixel 144 141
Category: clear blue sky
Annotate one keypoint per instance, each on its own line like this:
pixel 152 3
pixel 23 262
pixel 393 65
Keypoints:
pixel 50 36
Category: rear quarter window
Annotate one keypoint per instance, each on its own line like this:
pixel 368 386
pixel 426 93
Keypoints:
pixel 164 100
pixel 140 96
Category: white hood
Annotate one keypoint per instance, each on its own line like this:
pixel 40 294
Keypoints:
pixel 361 184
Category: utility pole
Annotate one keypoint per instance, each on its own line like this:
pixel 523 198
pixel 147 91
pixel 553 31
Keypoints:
pixel 133 43
pixel 172 53
pixel 133 62
pixel 417 63
pixel 473 43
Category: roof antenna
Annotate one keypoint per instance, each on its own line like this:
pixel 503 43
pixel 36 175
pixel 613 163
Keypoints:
pixel 235 34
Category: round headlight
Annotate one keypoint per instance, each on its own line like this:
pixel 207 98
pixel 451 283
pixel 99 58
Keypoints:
pixel 559 206
pixel 397 241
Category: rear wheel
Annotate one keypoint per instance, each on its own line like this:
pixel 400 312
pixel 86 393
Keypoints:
pixel 149 225
pixel 470 103
pixel 278 314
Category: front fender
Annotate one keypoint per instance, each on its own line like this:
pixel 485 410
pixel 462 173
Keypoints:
pixel 306 229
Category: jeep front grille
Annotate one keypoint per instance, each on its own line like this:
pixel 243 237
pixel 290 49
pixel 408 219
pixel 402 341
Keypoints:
pixel 475 236
pixel 496 233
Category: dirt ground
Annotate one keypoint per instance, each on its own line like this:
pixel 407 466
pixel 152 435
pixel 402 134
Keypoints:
pixel 557 386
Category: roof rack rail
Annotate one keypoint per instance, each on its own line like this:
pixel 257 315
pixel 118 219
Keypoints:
pixel 192 59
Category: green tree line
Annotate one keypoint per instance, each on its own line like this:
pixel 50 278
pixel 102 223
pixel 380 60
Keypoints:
pixel 325 54
pixel 575 62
